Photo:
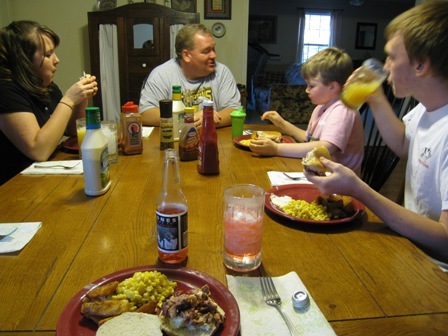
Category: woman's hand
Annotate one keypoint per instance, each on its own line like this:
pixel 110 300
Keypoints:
pixel 81 91
pixel 264 147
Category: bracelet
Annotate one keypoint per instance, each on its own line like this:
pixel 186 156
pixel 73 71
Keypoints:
pixel 61 102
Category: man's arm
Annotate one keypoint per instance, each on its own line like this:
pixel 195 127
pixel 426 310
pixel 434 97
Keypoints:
pixel 151 117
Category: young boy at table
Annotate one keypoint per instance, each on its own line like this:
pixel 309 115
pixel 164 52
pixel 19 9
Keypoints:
pixel 417 63
pixel 332 124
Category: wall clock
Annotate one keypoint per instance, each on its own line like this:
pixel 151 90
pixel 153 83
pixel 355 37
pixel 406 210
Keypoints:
pixel 218 30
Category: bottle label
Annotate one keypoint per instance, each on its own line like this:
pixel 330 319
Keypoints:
pixel 134 130
pixel 104 169
pixel 166 130
pixel 172 229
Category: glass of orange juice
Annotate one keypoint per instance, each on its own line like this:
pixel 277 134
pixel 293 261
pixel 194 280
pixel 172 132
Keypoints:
pixel 81 132
pixel 365 82
pixel 243 226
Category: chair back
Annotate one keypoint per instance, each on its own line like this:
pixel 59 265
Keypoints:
pixel 379 161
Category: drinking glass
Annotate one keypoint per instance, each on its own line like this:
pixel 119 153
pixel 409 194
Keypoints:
pixel 109 128
pixel 365 82
pixel 80 132
pixel 243 226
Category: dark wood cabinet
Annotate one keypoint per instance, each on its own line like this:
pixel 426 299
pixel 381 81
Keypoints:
pixel 143 40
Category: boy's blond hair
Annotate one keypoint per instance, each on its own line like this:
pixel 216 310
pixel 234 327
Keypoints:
pixel 424 29
pixel 328 65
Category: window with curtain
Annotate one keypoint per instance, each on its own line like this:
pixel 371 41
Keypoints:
pixel 318 29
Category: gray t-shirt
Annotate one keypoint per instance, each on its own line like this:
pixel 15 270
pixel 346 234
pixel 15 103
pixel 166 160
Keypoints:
pixel 220 86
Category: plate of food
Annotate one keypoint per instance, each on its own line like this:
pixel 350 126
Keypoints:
pixel 244 140
pixel 304 203
pixel 76 317
pixel 71 144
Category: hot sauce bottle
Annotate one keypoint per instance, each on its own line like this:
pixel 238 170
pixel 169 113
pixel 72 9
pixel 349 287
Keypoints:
pixel 208 157
pixel 172 213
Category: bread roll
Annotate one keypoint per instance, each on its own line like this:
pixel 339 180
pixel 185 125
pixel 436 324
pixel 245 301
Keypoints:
pixel 311 162
pixel 135 324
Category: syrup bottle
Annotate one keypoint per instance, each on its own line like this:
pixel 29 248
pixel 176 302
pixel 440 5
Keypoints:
pixel 208 157
pixel 189 137
pixel 172 213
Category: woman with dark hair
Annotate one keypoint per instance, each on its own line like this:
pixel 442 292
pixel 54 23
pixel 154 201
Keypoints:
pixel 29 97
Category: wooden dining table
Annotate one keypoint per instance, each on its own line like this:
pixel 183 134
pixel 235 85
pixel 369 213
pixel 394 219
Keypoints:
pixel 365 278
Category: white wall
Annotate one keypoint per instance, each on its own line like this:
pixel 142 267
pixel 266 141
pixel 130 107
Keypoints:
pixel 68 19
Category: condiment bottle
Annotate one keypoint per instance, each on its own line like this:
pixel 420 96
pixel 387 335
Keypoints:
pixel 166 124
pixel 172 214
pixel 131 122
pixel 189 137
pixel 208 157
pixel 178 111
pixel 95 155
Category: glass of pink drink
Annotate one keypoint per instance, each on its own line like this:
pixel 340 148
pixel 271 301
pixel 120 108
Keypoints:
pixel 243 226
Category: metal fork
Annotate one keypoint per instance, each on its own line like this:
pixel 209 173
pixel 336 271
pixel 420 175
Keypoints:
pixel 272 298
pixel 56 166
pixel 294 178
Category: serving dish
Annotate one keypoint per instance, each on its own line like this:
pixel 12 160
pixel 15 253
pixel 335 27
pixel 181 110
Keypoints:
pixel 72 323
pixel 306 192
pixel 237 140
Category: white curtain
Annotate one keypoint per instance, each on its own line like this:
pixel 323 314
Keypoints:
pixel 335 37
pixel 110 80
pixel 174 29
pixel 300 34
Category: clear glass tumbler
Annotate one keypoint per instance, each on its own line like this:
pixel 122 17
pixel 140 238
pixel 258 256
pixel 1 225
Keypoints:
pixel 243 226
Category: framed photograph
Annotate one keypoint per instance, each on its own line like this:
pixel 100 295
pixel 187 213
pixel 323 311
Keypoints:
pixel 263 28
pixel 188 6
pixel 217 9
pixel 366 35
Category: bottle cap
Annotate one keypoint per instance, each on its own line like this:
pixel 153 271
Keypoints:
pixel 238 113
pixel 300 300
pixel 93 118
pixel 166 108
pixel 207 102
pixel 129 107
pixel 177 89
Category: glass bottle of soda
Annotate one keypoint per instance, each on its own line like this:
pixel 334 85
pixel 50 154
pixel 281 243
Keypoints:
pixel 172 213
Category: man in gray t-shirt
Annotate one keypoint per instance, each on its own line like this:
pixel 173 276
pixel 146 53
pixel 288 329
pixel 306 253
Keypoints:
pixel 195 69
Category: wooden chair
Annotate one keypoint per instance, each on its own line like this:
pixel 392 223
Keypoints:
pixel 379 161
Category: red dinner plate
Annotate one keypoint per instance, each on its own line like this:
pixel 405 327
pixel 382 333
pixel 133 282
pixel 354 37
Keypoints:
pixel 71 144
pixel 72 323
pixel 306 192
pixel 237 140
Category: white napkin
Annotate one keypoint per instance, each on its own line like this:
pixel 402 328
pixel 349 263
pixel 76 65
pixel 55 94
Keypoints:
pixel 52 170
pixel 257 318
pixel 146 132
pixel 21 237
pixel 278 178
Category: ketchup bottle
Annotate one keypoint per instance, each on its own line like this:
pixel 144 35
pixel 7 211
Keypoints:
pixel 172 213
pixel 208 157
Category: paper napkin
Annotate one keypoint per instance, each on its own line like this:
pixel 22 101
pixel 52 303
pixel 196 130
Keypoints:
pixel 52 169
pixel 278 178
pixel 257 318
pixel 17 240
pixel 146 132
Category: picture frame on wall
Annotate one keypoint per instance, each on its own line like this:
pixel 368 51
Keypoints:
pixel 218 9
pixel 366 35
pixel 263 28
pixel 188 6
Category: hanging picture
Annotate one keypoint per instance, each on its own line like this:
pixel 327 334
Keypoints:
pixel 217 9
pixel 366 35
pixel 263 28
pixel 188 6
